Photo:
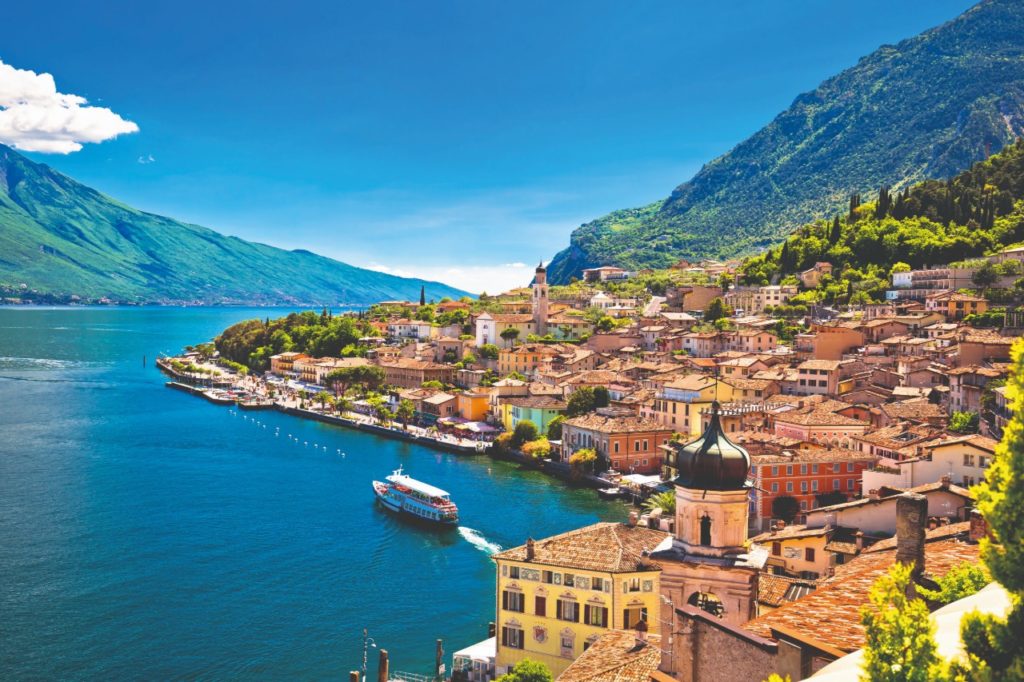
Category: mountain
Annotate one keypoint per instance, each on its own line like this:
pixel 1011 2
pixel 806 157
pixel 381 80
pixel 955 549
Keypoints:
pixel 61 238
pixel 925 108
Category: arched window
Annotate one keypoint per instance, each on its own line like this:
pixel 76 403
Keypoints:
pixel 705 530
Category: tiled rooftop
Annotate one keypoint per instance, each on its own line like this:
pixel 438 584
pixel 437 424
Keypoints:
pixel 616 657
pixel 611 547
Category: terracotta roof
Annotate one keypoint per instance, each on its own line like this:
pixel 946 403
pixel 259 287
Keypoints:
pixel 818 455
pixel 889 495
pixel 616 657
pixel 916 408
pixel 950 530
pixel 610 547
pixel 776 590
pixel 820 364
pixel 537 402
pixel 830 615
pixel 606 424
pixel 977 440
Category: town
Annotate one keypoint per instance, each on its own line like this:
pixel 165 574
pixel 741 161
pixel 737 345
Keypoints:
pixel 781 457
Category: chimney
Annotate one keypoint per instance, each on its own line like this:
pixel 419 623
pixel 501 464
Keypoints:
pixel 946 480
pixel 911 516
pixel 530 551
pixel 979 526
pixel 874 494
pixel 859 540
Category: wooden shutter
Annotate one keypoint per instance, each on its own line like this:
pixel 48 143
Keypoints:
pixel 541 606
pixel 504 599
pixel 604 616
pixel 575 613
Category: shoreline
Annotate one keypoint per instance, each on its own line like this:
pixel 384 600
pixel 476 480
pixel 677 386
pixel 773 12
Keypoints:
pixel 557 470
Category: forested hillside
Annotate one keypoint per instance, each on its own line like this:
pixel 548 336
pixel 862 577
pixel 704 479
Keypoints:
pixel 934 222
pixel 925 108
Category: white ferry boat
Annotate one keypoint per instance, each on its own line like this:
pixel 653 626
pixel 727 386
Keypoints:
pixel 406 495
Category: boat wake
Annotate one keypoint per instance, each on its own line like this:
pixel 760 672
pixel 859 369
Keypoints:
pixel 479 541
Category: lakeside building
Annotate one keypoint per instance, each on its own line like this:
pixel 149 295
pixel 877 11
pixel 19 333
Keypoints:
pixel 627 444
pixel 557 596
pixel 539 409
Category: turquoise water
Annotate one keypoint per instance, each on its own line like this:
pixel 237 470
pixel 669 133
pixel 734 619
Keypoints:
pixel 148 534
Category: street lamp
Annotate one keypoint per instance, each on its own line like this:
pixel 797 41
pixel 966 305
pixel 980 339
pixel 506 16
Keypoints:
pixel 367 643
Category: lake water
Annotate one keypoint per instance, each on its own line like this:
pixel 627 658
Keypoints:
pixel 148 534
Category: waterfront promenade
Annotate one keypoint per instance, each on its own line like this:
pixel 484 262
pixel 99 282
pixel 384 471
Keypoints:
pixel 255 393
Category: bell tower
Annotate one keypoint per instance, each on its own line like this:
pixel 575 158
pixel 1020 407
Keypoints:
pixel 709 565
pixel 540 299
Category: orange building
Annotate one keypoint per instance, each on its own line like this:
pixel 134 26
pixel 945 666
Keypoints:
pixel 627 444
pixel 474 406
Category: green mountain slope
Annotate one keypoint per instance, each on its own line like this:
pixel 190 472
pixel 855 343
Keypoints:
pixel 925 108
pixel 60 237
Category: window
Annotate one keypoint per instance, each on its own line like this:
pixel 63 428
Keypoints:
pixel 849 484
pixel 789 470
pixel 632 585
pixel 775 487
pixel 835 484
pixel 569 610
pixel 595 615
pixel 776 549
pixel 808 554
pixel 775 471
pixel 597 585
pixel 849 467
pixel 789 487
pixel 803 486
pixel 540 606
pixel 547 577
pixel 567 641
pixel 803 469
pixel 513 601
pixel 616 448
pixel 835 467
pixel 569 580
pixel 512 637
pixel 814 486
pixel 513 572
pixel 632 616
pixel 983 461
pixel 968 460
pixel 814 468
pixel 803 505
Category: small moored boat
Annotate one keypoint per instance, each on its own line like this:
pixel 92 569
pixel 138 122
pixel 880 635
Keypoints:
pixel 405 495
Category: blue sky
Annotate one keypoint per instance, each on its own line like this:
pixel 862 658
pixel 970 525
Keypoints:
pixel 454 140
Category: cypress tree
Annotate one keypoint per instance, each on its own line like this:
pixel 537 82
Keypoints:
pixel 423 295
pixel 837 231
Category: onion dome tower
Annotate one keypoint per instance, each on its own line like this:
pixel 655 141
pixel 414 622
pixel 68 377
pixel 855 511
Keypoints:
pixel 709 565
pixel 712 462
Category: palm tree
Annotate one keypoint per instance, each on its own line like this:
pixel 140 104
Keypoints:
pixel 405 412
pixel 665 501
pixel 322 397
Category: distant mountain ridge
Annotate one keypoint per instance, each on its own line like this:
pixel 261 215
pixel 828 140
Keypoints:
pixel 59 237
pixel 925 108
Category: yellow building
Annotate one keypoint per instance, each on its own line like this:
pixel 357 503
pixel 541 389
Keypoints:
pixel 679 403
pixel 526 358
pixel 556 597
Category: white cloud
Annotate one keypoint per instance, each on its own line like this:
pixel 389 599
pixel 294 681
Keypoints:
pixel 147 159
pixel 34 117
pixel 474 278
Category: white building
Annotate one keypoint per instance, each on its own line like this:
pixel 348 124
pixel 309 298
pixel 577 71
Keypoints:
pixel 964 460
